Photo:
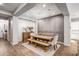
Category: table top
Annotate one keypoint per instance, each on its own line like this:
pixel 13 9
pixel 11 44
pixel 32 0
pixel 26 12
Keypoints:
pixel 42 37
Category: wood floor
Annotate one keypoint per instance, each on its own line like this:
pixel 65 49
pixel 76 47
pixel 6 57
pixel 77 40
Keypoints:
pixel 6 49
pixel 78 47
pixel 68 50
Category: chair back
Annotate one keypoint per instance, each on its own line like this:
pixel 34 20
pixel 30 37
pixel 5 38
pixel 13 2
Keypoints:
pixel 55 40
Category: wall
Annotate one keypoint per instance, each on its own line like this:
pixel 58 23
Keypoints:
pixel 25 23
pixel 54 24
pixel 17 26
pixel 67 31
pixel 9 34
pixel 2 22
pixel 15 32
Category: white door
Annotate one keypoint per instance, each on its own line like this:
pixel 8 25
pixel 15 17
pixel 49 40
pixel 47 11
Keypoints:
pixel 1 30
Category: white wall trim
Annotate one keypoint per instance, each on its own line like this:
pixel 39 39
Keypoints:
pixel 19 8
pixel 14 43
pixel 5 12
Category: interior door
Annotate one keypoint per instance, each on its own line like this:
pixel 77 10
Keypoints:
pixel 1 30
pixel 3 27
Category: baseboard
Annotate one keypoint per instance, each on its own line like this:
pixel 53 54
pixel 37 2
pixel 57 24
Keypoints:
pixel 60 43
pixel 67 44
pixel 63 44
pixel 1 38
pixel 14 43
pixel 75 39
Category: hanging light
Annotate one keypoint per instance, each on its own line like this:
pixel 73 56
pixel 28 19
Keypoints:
pixel 44 5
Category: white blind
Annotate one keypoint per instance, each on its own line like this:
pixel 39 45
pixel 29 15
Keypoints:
pixel 75 26
pixel 75 30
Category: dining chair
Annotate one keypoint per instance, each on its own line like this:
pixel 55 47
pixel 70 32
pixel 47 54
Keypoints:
pixel 54 42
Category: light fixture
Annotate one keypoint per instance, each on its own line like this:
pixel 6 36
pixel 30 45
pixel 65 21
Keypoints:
pixel 44 5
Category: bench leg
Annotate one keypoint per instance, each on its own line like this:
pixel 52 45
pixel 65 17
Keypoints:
pixel 55 46
pixel 29 42
pixel 46 49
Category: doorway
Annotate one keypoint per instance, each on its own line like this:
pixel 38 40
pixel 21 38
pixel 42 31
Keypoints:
pixel 3 28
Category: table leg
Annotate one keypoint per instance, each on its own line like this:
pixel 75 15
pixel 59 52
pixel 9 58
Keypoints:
pixel 35 45
pixel 29 42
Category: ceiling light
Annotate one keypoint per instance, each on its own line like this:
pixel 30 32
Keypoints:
pixel 44 5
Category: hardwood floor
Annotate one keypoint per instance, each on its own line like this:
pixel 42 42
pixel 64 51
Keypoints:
pixel 68 50
pixel 6 49
pixel 78 47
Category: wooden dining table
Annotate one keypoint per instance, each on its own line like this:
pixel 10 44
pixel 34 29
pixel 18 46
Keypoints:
pixel 44 41
pixel 42 37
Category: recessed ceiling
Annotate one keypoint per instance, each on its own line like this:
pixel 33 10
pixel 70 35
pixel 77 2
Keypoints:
pixel 6 9
pixel 42 10
pixel 37 11
pixel 14 9
pixel 10 7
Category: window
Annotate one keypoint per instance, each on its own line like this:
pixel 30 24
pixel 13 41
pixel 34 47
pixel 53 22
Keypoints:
pixel 75 30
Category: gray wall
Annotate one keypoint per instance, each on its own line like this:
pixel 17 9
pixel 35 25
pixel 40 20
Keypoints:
pixel 54 24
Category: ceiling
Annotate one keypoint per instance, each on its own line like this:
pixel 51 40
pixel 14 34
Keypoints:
pixel 10 7
pixel 14 9
pixel 6 9
pixel 27 7
pixel 73 9
pixel 39 11
pixel 63 8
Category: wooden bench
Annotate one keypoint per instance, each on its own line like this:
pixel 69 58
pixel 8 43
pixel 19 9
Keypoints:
pixel 42 37
pixel 38 42
pixel 44 45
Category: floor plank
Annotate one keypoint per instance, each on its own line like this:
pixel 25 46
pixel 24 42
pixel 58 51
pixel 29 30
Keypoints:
pixel 68 50
pixel 6 49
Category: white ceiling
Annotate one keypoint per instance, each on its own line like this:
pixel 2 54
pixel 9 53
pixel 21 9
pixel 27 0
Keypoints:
pixel 63 8
pixel 6 9
pixel 38 11
pixel 10 7
pixel 14 9
pixel 73 9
